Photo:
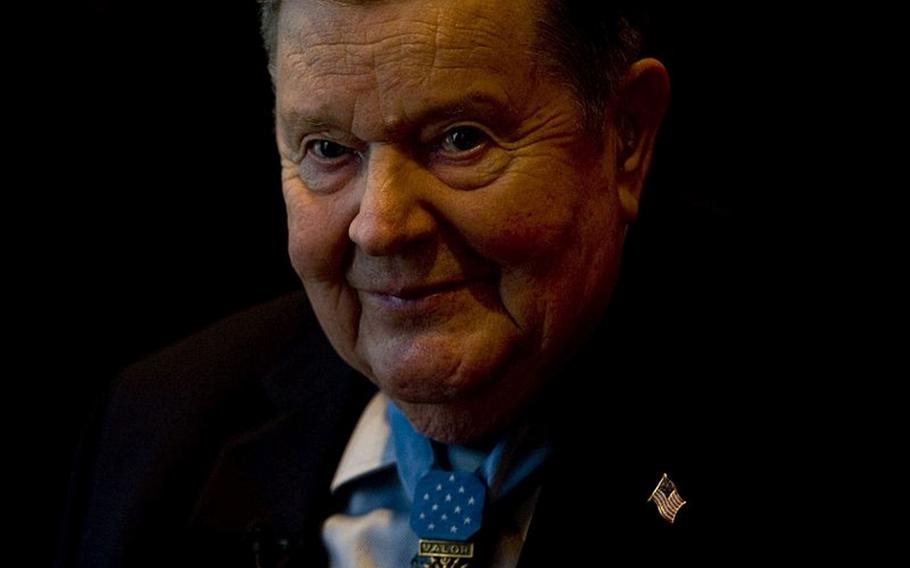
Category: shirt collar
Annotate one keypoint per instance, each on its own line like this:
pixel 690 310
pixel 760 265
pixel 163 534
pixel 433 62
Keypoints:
pixel 370 447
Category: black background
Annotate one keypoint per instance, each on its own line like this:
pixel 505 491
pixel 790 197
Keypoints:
pixel 157 204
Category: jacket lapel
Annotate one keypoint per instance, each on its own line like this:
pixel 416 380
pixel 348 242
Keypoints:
pixel 613 439
pixel 269 489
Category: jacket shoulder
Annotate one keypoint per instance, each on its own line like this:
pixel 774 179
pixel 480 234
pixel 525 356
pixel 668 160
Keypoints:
pixel 163 422
pixel 245 343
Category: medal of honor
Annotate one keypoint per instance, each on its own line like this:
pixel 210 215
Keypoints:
pixel 447 512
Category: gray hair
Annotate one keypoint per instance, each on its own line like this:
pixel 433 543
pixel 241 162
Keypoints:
pixel 590 43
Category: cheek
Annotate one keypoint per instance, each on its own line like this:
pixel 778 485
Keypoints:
pixel 524 218
pixel 317 233
pixel 318 245
pixel 548 228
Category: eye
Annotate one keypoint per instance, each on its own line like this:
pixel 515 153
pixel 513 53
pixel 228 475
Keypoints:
pixel 328 150
pixel 462 139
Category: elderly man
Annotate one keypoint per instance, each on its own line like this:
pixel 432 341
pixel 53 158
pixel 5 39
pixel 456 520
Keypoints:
pixel 459 180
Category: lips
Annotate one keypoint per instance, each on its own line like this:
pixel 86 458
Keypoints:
pixel 413 292
pixel 416 300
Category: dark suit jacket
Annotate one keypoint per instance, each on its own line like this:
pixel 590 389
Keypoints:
pixel 222 448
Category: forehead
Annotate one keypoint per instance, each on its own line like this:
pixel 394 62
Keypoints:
pixel 388 61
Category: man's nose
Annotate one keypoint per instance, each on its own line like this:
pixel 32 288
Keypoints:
pixel 392 213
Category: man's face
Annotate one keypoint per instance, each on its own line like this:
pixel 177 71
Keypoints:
pixel 454 229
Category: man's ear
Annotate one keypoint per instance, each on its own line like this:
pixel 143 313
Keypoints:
pixel 638 111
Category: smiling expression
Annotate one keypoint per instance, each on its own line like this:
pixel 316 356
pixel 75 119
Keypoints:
pixel 454 229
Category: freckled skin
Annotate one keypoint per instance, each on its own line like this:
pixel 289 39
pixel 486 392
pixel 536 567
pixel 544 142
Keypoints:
pixel 523 230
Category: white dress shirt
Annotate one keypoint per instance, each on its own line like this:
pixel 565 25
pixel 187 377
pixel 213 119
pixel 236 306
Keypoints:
pixel 372 528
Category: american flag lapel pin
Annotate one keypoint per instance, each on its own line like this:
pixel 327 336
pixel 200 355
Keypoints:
pixel 667 499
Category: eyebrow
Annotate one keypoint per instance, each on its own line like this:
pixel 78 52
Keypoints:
pixel 480 105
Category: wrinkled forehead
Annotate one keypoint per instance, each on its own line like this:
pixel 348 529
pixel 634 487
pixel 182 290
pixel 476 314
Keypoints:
pixel 392 55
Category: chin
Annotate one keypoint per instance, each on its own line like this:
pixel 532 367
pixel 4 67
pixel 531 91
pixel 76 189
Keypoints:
pixel 470 417
pixel 438 381
pixel 437 368
pixel 468 406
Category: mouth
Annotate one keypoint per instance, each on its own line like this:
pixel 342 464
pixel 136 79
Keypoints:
pixel 413 299
pixel 421 291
